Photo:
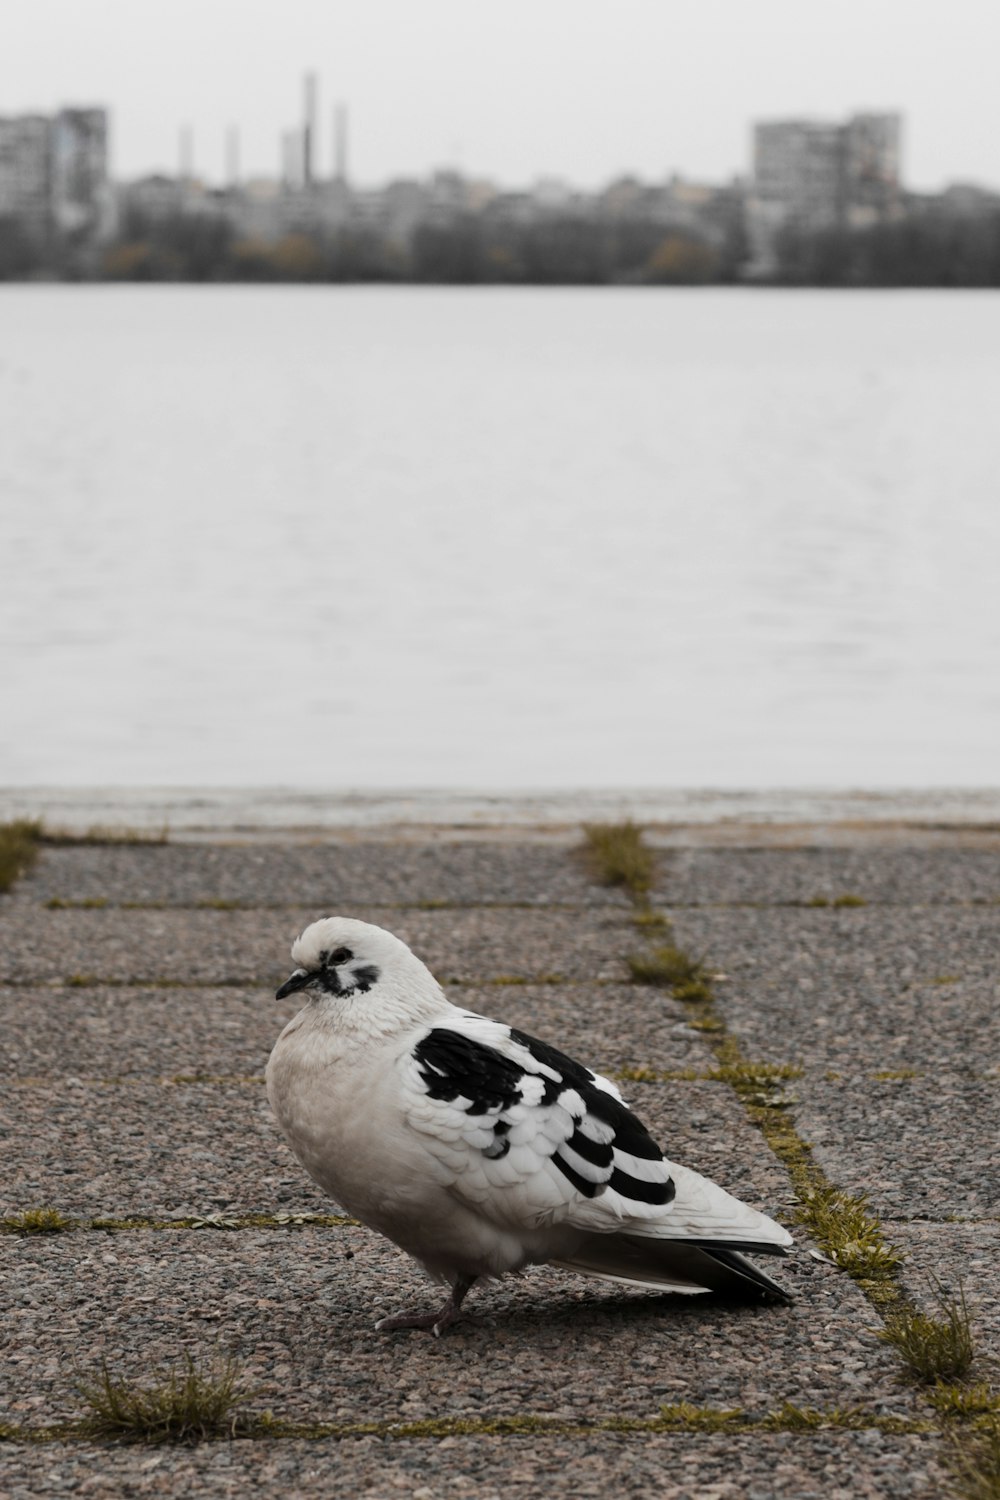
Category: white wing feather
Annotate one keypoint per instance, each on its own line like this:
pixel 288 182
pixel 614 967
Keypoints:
pixel 526 1186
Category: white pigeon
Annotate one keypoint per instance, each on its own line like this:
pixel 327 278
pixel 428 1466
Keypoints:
pixel 479 1150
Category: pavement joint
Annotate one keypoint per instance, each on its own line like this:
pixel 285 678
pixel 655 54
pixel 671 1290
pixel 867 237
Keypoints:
pixel 37 1222
pixel 101 903
pixel 160 982
pixel 682 1417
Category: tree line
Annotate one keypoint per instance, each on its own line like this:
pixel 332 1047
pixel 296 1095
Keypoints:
pixel 927 250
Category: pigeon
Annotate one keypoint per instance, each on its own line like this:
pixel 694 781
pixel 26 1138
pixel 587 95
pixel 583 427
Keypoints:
pixel 480 1150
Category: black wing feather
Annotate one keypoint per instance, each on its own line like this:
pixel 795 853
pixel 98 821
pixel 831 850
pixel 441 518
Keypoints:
pixel 454 1066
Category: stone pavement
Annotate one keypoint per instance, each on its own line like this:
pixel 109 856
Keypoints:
pixel 137 1013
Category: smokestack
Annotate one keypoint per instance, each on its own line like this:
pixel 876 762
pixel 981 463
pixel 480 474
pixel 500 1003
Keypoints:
pixel 233 156
pixel 340 141
pixel 186 153
pixel 309 130
pixel 291 155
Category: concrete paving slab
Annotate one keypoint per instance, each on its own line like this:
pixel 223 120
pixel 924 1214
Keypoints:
pixel 920 1147
pixel 297 1308
pixel 593 1466
pixel 115 1150
pixel 207 947
pixel 869 989
pixel 121 1032
pixel 111 1151
pixel 884 875
pixel 327 877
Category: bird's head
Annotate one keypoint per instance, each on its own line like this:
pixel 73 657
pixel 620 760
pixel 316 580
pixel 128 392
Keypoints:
pixel 344 958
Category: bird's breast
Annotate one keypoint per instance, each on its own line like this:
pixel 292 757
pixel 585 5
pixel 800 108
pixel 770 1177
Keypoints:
pixel 343 1121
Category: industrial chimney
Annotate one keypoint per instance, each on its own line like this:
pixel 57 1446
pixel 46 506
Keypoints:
pixel 340 142
pixel 309 131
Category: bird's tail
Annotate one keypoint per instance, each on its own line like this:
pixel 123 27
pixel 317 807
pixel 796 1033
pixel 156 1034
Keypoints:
pixel 677 1265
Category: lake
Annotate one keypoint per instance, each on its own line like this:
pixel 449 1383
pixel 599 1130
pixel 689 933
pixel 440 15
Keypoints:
pixel 367 537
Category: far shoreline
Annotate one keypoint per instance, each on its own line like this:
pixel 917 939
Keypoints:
pixel 674 816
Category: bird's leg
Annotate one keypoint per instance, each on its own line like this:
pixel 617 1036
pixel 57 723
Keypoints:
pixel 435 1321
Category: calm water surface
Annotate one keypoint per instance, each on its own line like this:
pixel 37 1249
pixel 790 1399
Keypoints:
pixel 511 538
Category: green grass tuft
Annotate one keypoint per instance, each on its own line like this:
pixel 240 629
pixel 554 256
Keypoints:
pixel 701 1418
pixel 934 1350
pixel 180 1405
pixel 19 842
pixel 649 921
pixel 975 1464
pixel 693 991
pixel 791 1418
pixel 752 1077
pixel 669 967
pixel 91 903
pixel 616 855
pixel 37 1221
pixel 843 1226
pixel 849 899
pixel 964 1403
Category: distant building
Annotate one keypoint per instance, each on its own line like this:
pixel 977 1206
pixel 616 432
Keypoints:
pixel 81 196
pixel 871 169
pixel 811 174
pixel 54 175
pixel 26 173
pixel 151 199
pixel 967 200
pixel 798 170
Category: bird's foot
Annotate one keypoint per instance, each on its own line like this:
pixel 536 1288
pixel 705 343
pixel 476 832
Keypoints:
pixel 437 1321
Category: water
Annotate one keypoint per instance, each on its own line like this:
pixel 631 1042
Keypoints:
pixel 379 538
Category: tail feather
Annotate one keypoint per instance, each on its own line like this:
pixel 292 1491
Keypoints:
pixel 675 1265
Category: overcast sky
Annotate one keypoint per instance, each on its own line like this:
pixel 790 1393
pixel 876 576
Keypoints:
pixel 514 89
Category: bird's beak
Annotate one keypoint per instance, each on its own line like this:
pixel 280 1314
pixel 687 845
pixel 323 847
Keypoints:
pixel 297 981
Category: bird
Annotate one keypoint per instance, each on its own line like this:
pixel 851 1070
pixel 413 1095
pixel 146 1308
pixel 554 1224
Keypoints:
pixel 480 1150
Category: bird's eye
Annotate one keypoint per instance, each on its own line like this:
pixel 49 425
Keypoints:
pixel 339 956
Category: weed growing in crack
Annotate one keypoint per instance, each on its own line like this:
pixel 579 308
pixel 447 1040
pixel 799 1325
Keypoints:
pixel 843 1226
pixel 975 1464
pixel 37 1221
pixel 963 1403
pixel 180 1405
pixel 19 842
pixel 934 1350
pixel 669 967
pixel 616 855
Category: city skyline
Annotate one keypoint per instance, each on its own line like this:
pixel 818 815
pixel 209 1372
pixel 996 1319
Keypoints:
pixel 567 91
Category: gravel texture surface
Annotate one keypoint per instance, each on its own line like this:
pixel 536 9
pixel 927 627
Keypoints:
pixel 868 989
pixel 678 1466
pixel 921 1147
pixel 209 947
pixel 298 1308
pixel 126 1099
pixel 122 1032
pixel 106 1150
pixel 906 877
pixel 326 877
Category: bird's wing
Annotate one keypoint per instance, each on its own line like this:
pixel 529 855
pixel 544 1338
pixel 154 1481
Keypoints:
pixel 525 1133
